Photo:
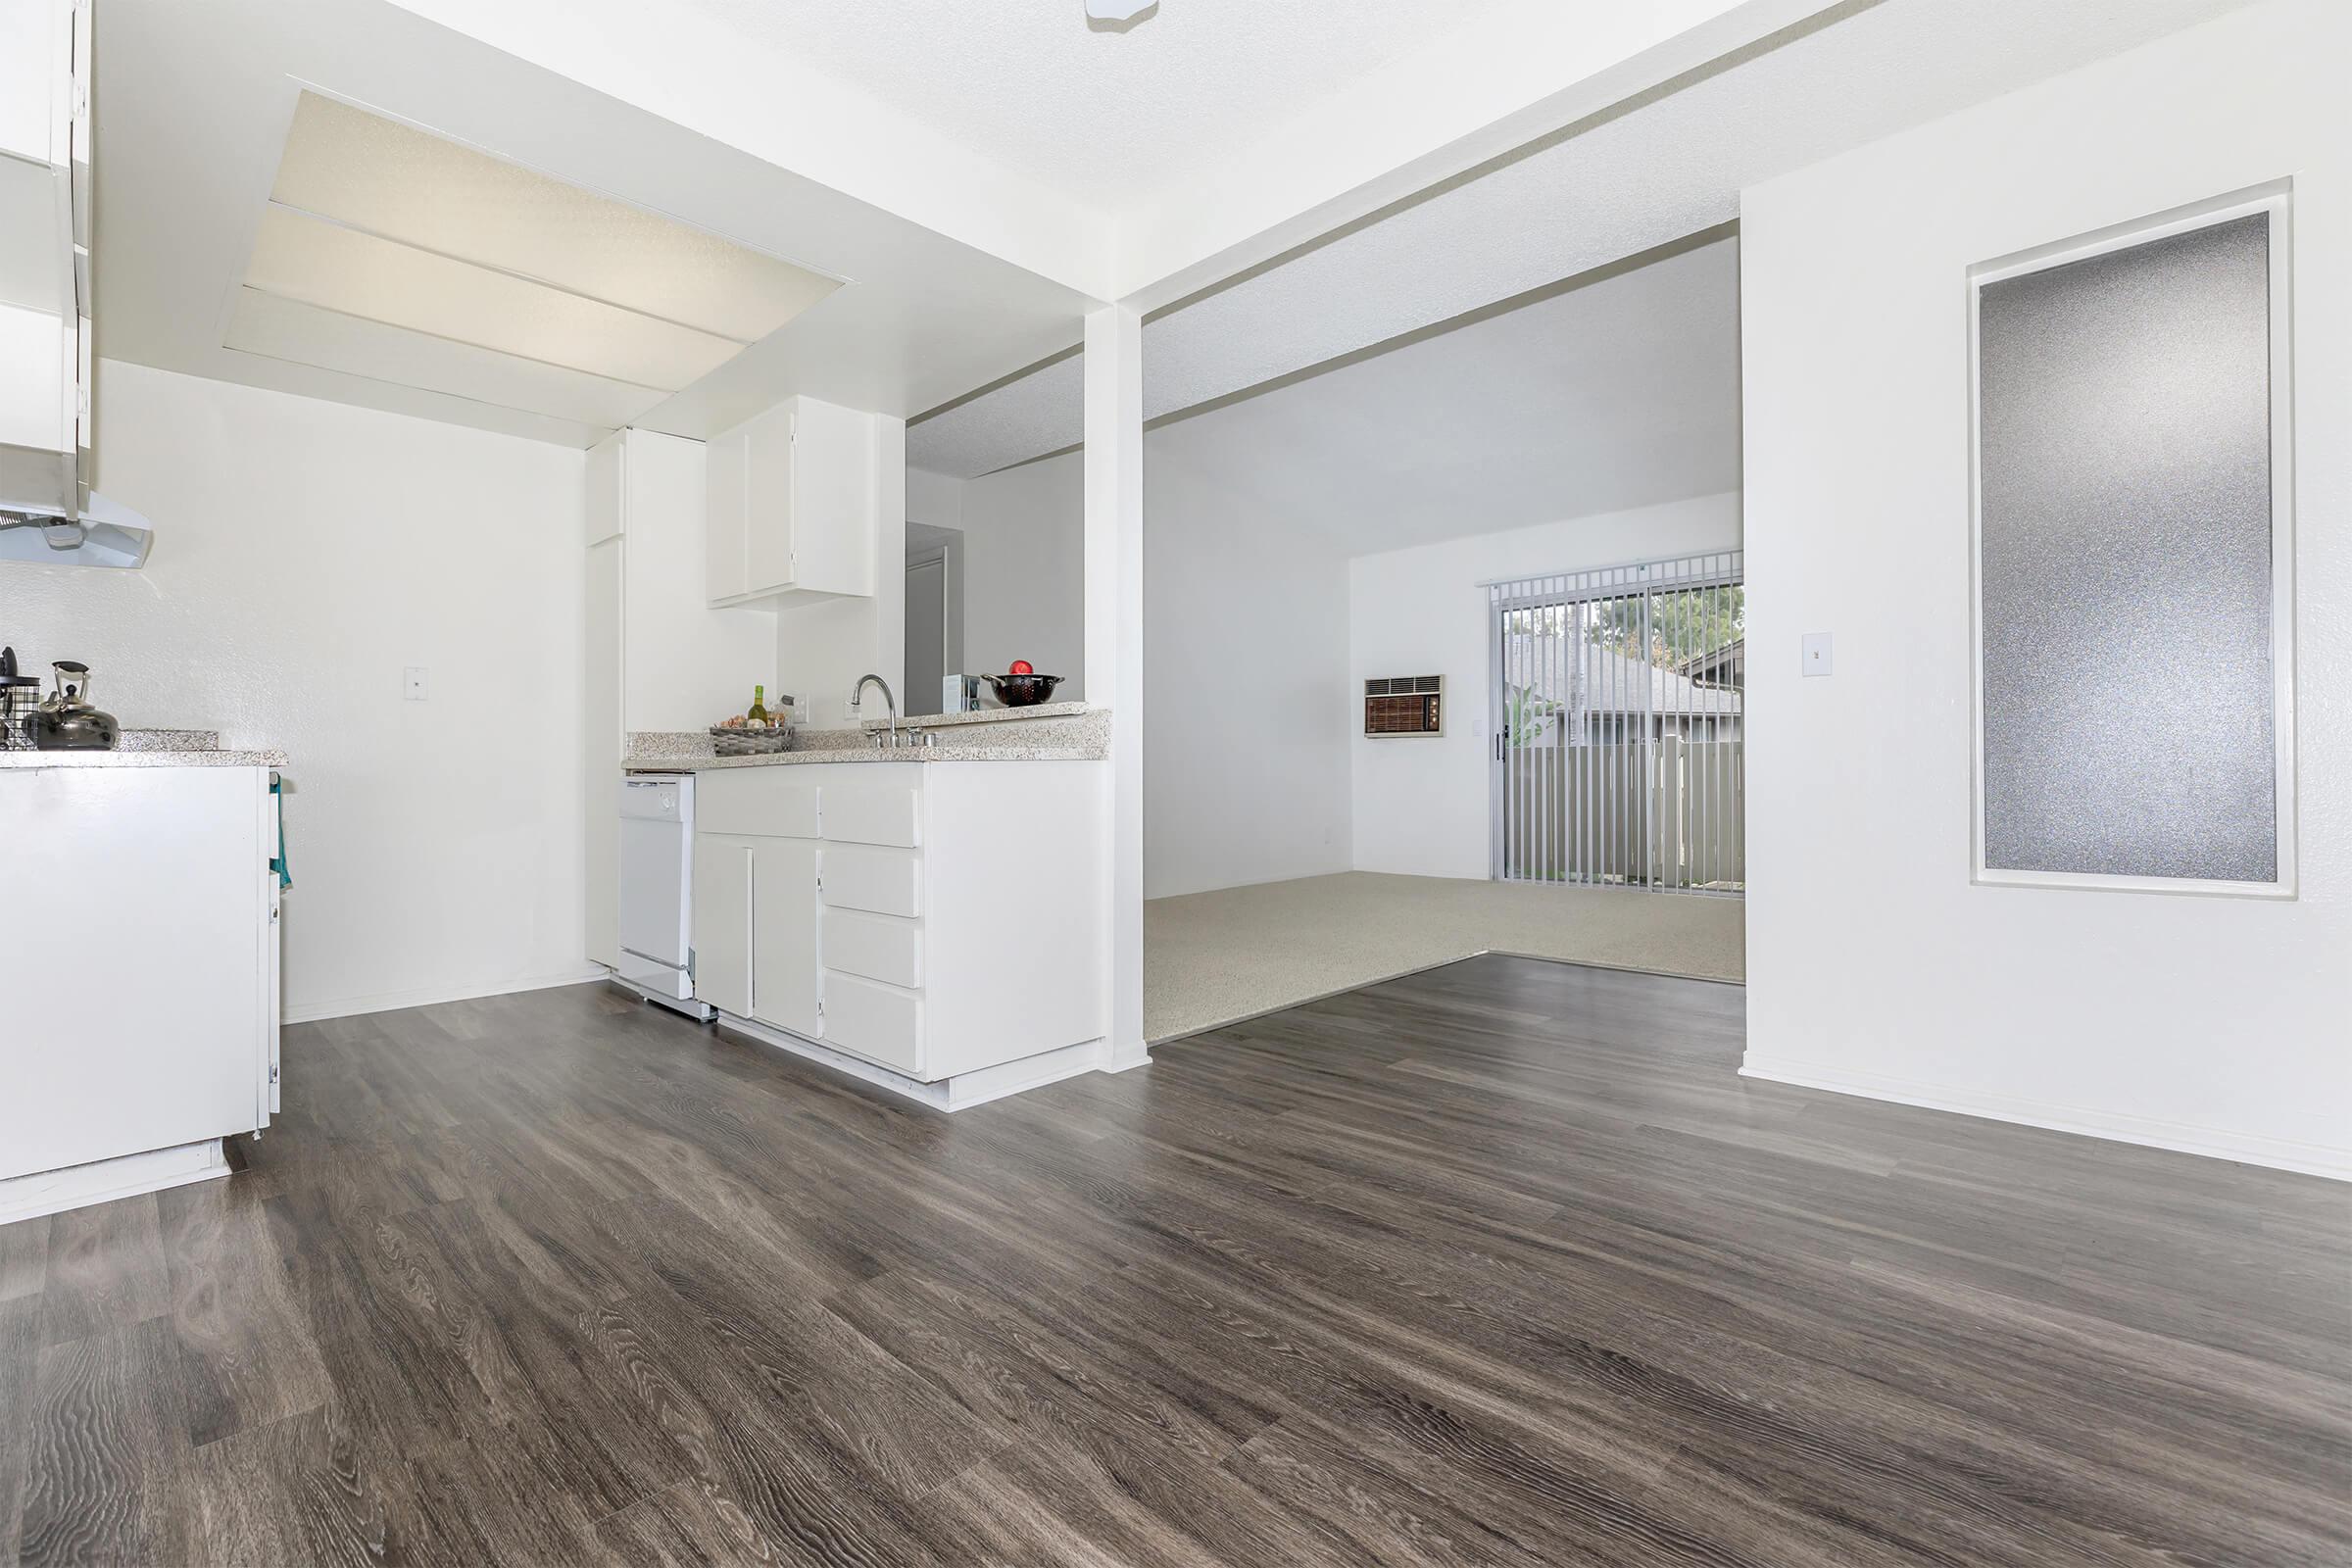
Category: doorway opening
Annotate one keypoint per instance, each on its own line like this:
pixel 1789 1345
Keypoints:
pixel 934 616
pixel 1619 724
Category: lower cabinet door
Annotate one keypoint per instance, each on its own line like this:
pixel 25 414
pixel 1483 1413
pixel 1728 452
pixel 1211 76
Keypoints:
pixel 881 1023
pixel 722 923
pixel 784 951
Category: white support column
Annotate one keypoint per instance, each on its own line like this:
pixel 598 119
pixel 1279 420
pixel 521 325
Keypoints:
pixel 1114 648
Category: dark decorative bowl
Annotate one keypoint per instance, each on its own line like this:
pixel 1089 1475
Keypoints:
pixel 1022 691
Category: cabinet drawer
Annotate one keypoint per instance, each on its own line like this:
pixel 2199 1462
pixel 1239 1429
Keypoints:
pixel 879 947
pixel 889 813
pixel 859 876
pixel 756 801
pixel 880 1024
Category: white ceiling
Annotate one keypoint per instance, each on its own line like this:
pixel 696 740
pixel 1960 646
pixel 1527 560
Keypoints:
pixel 1621 392
pixel 1270 123
pixel 193 106
pixel 194 101
pixel 1671 167
pixel 1104 116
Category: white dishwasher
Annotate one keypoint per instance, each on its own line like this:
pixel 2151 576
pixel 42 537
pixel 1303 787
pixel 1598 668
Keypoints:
pixel 657 890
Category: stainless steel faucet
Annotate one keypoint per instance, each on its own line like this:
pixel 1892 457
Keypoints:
pixel 859 691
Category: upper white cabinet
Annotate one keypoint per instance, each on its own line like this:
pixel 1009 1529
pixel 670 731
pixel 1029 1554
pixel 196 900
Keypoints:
pixel 40 96
pixel 793 505
pixel 45 209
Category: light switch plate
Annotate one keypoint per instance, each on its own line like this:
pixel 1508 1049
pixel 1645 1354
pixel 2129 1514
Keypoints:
pixel 1816 652
pixel 411 683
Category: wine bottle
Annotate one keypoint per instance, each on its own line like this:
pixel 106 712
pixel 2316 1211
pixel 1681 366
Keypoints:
pixel 757 714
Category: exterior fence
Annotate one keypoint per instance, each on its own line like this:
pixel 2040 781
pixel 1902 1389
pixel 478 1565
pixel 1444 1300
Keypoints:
pixel 1667 814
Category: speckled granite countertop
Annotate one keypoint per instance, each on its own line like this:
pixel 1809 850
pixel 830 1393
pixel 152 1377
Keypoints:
pixel 152 747
pixel 1055 732
pixel 834 755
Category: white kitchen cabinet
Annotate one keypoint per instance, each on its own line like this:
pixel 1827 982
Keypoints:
pixel 768 479
pixel 882 1023
pixel 45 206
pixel 754 927
pixel 40 91
pixel 725 571
pixel 143 917
pixel 938 920
pixel 722 921
pixel 785 988
pixel 794 499
pixel 878 881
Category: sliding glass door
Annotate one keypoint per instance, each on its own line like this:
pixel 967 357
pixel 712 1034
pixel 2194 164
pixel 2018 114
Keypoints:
pixel 1618 726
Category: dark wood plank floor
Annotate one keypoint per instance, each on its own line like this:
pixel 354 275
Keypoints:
pixel 1499 1264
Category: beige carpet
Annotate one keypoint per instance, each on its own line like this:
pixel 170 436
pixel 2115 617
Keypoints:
pixel 1212 958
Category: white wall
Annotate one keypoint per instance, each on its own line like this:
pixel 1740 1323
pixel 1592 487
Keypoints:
pixel 305 553
pixel 1420 802
pixel 1246 687
pixel 1024 569
pixel 934 500
pixel 1874 966
pixel 1246 637
pixel 684 666
pixel 822 649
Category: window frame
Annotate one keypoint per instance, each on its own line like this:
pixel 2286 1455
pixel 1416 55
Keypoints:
pixel 2274 199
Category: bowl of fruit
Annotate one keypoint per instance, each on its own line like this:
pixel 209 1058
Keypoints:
pixel 1022 686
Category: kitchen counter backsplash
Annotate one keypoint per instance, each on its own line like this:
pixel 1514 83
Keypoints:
pixel 1035 713
pixel 167 740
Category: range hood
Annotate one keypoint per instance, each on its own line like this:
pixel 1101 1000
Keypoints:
pixel 107 533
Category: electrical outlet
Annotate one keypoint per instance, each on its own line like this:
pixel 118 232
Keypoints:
pixel 412 685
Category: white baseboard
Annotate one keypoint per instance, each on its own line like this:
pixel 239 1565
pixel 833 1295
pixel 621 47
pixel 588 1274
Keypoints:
pixel 2217 1142
pixel 426 996
pixel 102 1181
pixel 959 1093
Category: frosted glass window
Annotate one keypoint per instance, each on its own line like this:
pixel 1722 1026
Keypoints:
pixel 2126 561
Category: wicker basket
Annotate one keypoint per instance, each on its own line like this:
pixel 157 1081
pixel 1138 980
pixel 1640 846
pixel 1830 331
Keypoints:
pixel 726 742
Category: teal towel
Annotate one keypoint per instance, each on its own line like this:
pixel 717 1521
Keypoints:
pixel 285 878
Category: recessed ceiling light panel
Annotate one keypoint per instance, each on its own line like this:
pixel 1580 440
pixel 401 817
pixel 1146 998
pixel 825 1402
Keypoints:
pixel 280 329
pixel 390 253
pixel 393 180
pixel 305 259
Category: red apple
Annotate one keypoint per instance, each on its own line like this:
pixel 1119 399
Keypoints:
pixel 1022 667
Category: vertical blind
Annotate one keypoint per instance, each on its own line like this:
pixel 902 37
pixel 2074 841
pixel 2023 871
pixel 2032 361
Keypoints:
pixel 1618 720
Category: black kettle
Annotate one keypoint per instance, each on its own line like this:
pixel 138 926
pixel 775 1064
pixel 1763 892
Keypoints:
pixel 66 721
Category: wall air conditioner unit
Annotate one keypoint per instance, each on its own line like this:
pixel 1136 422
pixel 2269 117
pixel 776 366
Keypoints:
pixel 1406 705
